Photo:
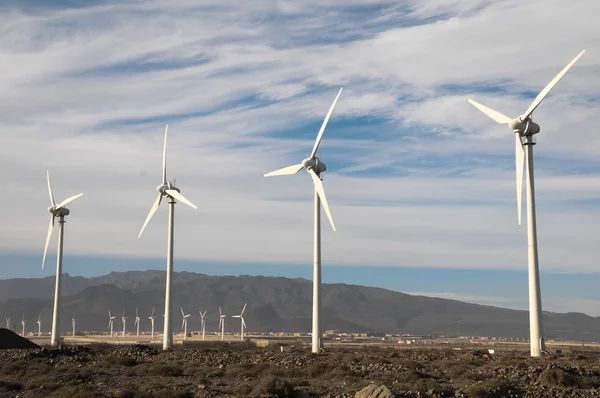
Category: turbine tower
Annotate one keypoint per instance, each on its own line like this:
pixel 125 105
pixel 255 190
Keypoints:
pixel 124 321
pixel 23 322
pixel 8 323
pixel 222 324
pixel 137 323
pixel 202 315
pixel 39 323
pixel 111 321
pixel 315 167
pixel 524 128
pixel 60 211
pixel 184 323
pixel 152 318
pixel 73 324
pixel 171 192
pixel 241 316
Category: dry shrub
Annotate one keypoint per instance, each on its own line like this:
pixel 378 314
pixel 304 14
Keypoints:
pixel 274 386
pixel 165 370
pixel 6 386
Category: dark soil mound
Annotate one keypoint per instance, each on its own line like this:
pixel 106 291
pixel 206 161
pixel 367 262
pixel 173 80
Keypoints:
pixel 9 340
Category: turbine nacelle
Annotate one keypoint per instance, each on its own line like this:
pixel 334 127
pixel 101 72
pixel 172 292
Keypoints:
pixel 524 126
pixel 163 188
pixel 58 211
pixel 314 164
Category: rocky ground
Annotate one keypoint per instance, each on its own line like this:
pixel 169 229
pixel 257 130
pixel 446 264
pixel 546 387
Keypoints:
pixel 242 370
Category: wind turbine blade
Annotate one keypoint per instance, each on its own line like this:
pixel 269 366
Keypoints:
pixel 152 311
pixel 321 191
pixel 50 188
pixel 164 165
pixel 243 322
pixel 50 229
pixel 220 313
pixel 497 116
pixel 180 197
pixel 519 163
pixel 220 322
pixel 236 316
pixel 68 200
pixel 182 324
pixel 538 100
pixel 152 211
pixel 285 171
pixel 244 309
pixel 322 130
pixel 182 313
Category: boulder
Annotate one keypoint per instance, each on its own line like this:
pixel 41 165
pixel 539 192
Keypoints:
pixel 374 391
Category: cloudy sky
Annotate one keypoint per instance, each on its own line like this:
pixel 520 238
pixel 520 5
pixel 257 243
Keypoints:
pixel 420 184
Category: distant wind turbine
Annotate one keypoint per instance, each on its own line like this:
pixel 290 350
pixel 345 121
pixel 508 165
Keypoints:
pixel 111 321
pixel 73 324
pixel 152 317
pixel 524 128
pixel 39 323
pixel 124 321
pixel 202 315
pixel 60 211
pixel 241 316
pixel 23 322
pixel 8 323
pixel 171 192
pixel 315 167
pixel 137 323
pixel 184 323
pixel 222 323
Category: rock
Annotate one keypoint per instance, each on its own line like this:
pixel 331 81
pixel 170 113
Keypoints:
pixel 374 391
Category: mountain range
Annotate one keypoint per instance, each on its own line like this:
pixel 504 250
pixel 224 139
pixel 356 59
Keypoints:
pixel 274 304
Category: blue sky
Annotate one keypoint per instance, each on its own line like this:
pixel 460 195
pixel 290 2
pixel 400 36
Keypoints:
pixel 420 184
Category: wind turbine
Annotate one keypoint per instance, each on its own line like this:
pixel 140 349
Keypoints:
pixel 8 323
pixel 171 192
pixel 152 317
pixel 137 323
pixel 39 323
pixel 315 167
pixel 73 324
pixel 60 211
pixel 23 322
pixel 222 323
pixel 241 316
pixel 524 127
pixel 111 321
pixel 184 323
pixel 202 315
pixel 124 321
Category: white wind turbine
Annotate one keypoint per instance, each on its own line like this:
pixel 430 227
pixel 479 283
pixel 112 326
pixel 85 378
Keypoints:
pixel 241 316
pixel 111 322
pixel 524 127
pixel 124 321
pixel 8 323
pixel 184 323
pixel 137 323
pixel 23 322
pixel 222 323
pixel 152 318
pixel 168 190
pixel 39 323
pixel 73 324
pixel 202 315
pixel 60 211
pixel 315 167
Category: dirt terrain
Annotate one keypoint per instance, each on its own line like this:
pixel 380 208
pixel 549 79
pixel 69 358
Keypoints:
pixel 243 370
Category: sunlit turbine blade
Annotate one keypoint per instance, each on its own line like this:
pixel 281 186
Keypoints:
pixel 68 200
pixel 182 324
pixel 519 163
pixel 152 211
pixel 152 311
pixel 220 314
pixel 321 190
pixel 244 309
pixel 538 100
pixel 285 171
pixel 164 168
pixel 180 197
pixel 182 313
pixel 220 321
pixel 322 130
pixel 50 188
pixel 243 322
pixel 497 116
pixel 50 228
pixel 236 316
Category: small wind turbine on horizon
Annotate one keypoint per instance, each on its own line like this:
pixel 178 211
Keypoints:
pixel 241 316
pixel 137 323
pixel 111 321
pixel 315 167
pixel 39 323
pixel 203 322
pixel 8 323
pixel 171 192
pixel 184 323
pixel 124 321
pixel 60 211
pixel 23 322
pixel 524 127
pixel 152 318
pixel 222 323
pixel 73 324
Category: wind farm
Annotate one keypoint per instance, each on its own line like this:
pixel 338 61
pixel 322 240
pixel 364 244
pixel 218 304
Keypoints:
pixel 422 287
